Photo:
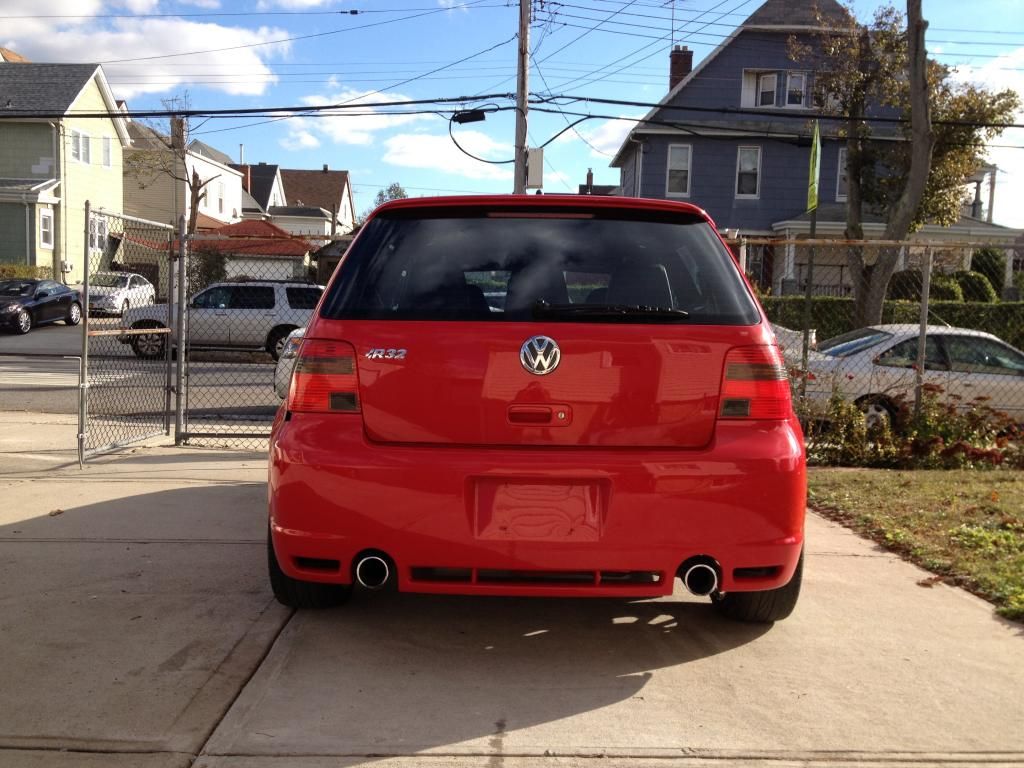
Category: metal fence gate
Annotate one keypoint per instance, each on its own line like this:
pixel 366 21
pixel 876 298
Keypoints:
pixel 243 295
pixel 127 278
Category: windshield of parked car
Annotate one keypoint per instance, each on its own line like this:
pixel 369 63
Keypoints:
pixel 108 280
pixel 16 288
pixel 853 342
pixel 522 265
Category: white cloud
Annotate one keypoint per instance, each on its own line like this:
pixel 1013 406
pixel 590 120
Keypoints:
pixel 351 126
pixel 211 4
pixel 55 40
pixel 137 6
pixel 608 137
pixel 438 153
pixel 296 3
pixel 1004 72
pixel 297 140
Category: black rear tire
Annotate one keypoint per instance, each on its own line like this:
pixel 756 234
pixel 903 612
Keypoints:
pixel 276 339
pixel 303 594
pixel 149 346
pixel 765 606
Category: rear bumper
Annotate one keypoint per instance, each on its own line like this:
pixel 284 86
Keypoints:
pixel 334 495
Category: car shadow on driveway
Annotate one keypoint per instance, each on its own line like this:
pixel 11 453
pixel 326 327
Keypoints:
pixel 401 674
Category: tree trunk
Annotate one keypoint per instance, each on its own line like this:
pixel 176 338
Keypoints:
pixel 902 215
pixel 869 295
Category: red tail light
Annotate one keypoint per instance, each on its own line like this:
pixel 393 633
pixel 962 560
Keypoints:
pixel 755 385
pixel 324 380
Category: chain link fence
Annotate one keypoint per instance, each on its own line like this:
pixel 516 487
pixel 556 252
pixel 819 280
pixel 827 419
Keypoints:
pixel 245 295
pixel 127 275
pixel 898 349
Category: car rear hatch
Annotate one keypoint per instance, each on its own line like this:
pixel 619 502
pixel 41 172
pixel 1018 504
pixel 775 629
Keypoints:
pixel 533 324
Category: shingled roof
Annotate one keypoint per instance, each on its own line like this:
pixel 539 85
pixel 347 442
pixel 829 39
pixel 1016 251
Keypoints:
pixel 211 153
pixel 319 189
pixel 798 13
pixel 49 89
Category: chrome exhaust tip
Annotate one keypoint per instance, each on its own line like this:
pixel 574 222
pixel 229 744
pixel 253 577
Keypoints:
pixel 700 578
pixel 372 572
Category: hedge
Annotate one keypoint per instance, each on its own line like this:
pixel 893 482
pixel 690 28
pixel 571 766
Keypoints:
pixel 23 271
pixel 832 315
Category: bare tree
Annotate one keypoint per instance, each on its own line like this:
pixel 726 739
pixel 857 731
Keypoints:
pixel 166 154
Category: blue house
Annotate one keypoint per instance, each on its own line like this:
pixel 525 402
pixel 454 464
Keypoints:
pixel 733 136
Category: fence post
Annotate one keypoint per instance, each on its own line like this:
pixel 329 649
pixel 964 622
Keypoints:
pixel 169 383
pixel 926 283
pixel 83 369
pixel 179 338
pixel 1009 292
pixel 743 255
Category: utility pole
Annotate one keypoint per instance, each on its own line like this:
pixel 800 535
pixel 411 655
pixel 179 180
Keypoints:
pixel 522 94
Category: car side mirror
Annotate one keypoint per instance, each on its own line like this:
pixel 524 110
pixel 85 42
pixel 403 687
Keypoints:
pixel 42 295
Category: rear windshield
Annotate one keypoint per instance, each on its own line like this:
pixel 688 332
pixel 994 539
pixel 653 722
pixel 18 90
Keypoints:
pixel 853 342
pixel 429 264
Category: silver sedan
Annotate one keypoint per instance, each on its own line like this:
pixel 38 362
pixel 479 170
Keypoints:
pixel 286 362
pixel 876 368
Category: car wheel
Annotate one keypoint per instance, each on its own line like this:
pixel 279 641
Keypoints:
pixel 766 605
pixel 124 307
pixel 23 322
pixel 878 412
pixel 149 346
pixel 74 316
pixel 276 340
pixel 302 594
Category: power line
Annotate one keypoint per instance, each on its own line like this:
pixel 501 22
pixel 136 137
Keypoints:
pixel 225 14
pixel 575 40
pixel 297 37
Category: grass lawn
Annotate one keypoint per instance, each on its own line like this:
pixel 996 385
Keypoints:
pixel 965 525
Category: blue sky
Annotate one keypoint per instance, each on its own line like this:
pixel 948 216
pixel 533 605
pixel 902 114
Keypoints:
pixel 390 50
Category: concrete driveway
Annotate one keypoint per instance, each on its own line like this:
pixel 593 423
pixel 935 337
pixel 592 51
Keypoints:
pixel 137 629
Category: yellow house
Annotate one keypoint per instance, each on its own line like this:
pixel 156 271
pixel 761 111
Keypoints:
pixel 61 142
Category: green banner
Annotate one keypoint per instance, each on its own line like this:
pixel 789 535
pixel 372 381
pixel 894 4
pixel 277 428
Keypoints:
pixel 815 170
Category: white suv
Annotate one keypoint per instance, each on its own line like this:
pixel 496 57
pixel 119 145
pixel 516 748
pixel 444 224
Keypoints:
pixel 251 315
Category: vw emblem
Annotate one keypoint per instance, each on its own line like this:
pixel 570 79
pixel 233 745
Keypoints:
pixel 540 355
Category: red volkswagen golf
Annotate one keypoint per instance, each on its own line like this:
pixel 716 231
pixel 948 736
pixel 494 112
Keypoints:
pixel 539 395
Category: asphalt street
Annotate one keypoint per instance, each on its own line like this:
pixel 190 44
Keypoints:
pixel 39 372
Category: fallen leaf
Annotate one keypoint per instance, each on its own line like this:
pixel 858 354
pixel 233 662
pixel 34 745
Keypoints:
pixel 929 582
pixel 56 512
pixel 994 496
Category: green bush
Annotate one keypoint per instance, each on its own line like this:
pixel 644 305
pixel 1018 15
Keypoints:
pixel 945 288
pixel 943 434
pixel 832 315
pixel 16 271
pixel 991 262
pixel 905 285
pixel 976 287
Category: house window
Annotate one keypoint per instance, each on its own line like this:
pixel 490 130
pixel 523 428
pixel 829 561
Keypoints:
pixel 80 147
pixel 678 182
pixel 748 172
pixel 46 228
pixel 766 85
pixel 220 197
pixel 106 151
pixel 796 87
pixel 841 177
pixel 98 234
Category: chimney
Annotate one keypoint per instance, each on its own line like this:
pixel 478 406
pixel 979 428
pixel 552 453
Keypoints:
pixel 680 64
pixel 246 178
pixel 325 167
pixel 590 181
pixel 241 154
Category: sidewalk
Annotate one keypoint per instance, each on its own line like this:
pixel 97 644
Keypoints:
pixel 137 629
pixel 134 596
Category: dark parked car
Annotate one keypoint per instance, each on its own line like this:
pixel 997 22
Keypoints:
pixel 26 303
